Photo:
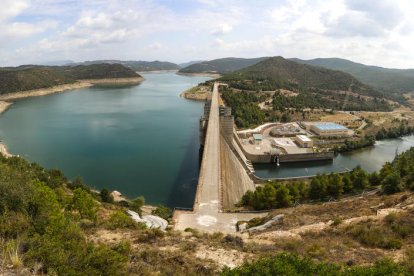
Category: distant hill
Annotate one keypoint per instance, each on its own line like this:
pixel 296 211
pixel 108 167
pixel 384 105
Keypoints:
pixel 29 77
pixel 141 66
pixel 389 80
pixel 97 71
pixel 326 88
pixel 222 65
pixel 185 64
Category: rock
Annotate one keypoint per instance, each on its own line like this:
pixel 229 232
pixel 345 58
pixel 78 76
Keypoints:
pixel 242 226
pixel 150 221
pixel 268 224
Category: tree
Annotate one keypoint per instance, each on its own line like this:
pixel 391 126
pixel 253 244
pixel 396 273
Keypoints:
pixel 359 178
pixel 392 184
pixel 283 198
pixel 78 183
pixel 335 186
pixel 137 204
pixel 374 179
pixel 347 183
pixel 316 189
pixel 84 203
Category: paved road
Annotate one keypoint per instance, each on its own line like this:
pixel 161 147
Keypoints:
pixel 207 216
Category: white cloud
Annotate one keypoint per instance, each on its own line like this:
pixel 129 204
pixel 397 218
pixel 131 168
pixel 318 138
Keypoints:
pixel 222 29
pixel 376 32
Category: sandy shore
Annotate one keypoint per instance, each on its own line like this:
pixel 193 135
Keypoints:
pixel 4 106
pixel 4 151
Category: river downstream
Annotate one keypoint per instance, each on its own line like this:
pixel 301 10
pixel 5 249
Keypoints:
pixel 370 159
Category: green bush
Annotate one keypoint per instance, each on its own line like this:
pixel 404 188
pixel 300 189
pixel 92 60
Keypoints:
pixel 163 212
pixel 84 203
pixel 375 236
pixel 289 264
pixel 119 219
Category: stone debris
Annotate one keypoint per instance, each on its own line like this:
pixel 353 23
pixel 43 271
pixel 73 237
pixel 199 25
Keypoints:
pixel 149 220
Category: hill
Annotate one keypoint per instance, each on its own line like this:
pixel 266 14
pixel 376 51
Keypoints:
pixel 222 65
pixel 185 64
pixel 282 87
pixel 389 80
pixel 277 72
pixel 29 77
pixel 141 66
pixel 97 71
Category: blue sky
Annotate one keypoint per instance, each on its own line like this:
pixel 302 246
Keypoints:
pixel 377 32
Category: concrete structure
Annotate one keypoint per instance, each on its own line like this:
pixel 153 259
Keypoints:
pixel 304 141
pixel 257 139
pixel 286 130
pixel 328 129
pixel 207 215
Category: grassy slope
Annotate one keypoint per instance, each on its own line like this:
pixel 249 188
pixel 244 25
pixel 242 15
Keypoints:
pixel 222 65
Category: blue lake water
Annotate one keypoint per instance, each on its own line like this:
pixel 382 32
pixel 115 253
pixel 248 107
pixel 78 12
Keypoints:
pixel 139 140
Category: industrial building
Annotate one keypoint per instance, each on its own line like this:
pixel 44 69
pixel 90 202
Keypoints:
pixel 286 130
pixel 304 141
pixel 257 138
pixel 329 129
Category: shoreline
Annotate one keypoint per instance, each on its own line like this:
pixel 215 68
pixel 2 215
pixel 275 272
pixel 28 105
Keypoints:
pixel 4 106
pixel 62 88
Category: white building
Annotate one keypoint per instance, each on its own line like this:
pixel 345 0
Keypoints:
pixel 304 141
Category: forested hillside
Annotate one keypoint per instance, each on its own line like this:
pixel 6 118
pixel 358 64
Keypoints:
pixel 27 78
pixel 222 65
pixel 136 65
pixel 15 79
pixel 277 72
pixel 388 80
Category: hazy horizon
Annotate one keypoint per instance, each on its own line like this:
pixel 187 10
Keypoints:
pixel 371 32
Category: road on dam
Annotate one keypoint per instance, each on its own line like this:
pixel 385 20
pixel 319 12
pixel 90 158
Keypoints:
pixel 206 214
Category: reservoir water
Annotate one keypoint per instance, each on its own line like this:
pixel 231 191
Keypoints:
pixel 140 140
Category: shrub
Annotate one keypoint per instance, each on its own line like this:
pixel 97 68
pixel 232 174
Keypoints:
pixel 84 203
pixel 106 196
pixel 137 203
pixel 289 264
pixel 163 212
pixel 119 219
pixel 375 236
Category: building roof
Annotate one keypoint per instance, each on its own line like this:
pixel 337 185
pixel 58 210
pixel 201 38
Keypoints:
pixel 304 138
pixel 329 126
pixel 257 137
